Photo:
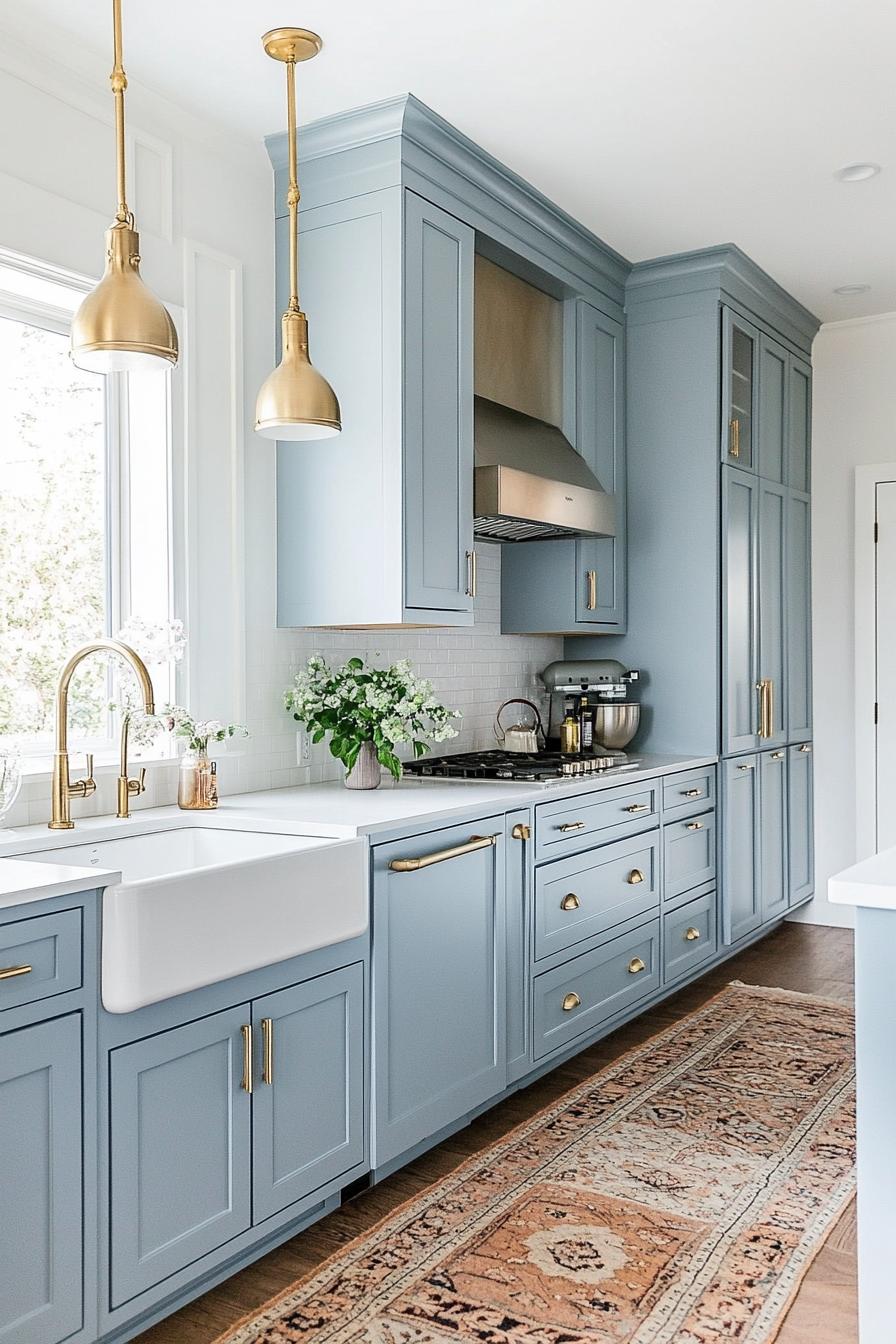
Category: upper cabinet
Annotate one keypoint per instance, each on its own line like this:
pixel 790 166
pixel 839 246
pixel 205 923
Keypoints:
pixel 740 396
pixel 375 527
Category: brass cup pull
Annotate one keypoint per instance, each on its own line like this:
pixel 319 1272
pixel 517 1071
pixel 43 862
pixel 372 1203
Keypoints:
pixel 694 826
pixel 692 935
pixel 571 1001
pixel 570 901
pixel 635 876
pixel 591 581
pixel 572 826
pixel 638 807
pixel 246 1083
pixel 10 972
pixel 692 793
pixel 748 766
pixel 267 1050
pixel 805 747
pixel 777 756
pixel 521 831
pixel 635 966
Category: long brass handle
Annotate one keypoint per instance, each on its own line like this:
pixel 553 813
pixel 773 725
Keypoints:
pixel 692 935
pixel 591 580
pixel 805 747
pixel 246 1084
pixel 638 807
pixel 763 722
pixel 570 901
pixel 692 793
pixel 635 876
pixel 471 573
pixel 267 1050
pixel 694 826
pixel 635 966
pixel 571 1001
pixel 521 831
pixel 572 826
pixel 770 711
pixel 734 437
pixel 426 860
pixel 10 972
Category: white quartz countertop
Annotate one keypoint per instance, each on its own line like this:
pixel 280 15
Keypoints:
pixel 320 810
pixel 871 883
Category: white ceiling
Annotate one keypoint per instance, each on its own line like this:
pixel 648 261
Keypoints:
pixel 661 126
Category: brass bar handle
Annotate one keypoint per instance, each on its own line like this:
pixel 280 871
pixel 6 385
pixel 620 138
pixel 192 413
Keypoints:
pixel 760 687
pixel 267 1050
pixel 426 860
pixel 734 437
pixel 246 1084
pixel 635 966
pixel 806 747
pixel 692 935
pixel 692 793
pixel 637 807
pixel 770 711
pixel 471 573
pixel 591 581
pixel 694 826
pixel 521 831
pixel 570 901
pixel 571 826
pixel 634 877
pixel 10 972
pixel 571 1001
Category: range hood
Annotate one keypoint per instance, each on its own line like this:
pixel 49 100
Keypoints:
pixel 529 483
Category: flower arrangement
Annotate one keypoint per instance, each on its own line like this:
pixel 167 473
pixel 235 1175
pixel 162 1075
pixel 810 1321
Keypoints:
pixel 387 707
pixel 199 732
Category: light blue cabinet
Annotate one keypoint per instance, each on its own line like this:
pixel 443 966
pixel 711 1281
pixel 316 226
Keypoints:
pixel 41 1228
pixel 772 609
pixel 773 443
pixel 799 625
pixel 773 827
pixel 439 989
pixel 799 424
pixel 742 903
pixel 801 839
pixel 740 389
pixel 739 611
pixel 517 886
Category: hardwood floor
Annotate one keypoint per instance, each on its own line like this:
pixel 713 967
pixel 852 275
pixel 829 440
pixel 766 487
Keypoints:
pixel 803 957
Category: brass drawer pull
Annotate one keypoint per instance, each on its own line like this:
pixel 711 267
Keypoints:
pixel 777 756
pixel 635 966
pixel 570 901
pixel 267 1052
pixel 692 935
pixel 694 826
pixel 471 573
pixel 414 865
pixel 572 826
pixel 10 972
pixel 638 807
pixel 734 437
pixel 634 877
pixel 748 766
pixel 806 747
pixel 692 793
pixel 571 1001
pixel 591 579
pixel 521 831
pixel 246 1084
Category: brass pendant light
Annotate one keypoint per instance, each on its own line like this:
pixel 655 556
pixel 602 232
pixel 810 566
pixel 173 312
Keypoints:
pixel 121 326
pixel 295 402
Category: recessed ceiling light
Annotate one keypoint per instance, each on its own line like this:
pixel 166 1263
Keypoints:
pixel 852 289
pixel 858 172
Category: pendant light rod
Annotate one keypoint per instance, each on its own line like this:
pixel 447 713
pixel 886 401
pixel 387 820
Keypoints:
pixel 119 81
pixel 293 195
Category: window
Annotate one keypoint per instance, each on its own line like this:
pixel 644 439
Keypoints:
pixel 85 537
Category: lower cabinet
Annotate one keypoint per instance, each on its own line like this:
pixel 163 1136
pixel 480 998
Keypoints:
pixel 801 837
pixel 224 1121
pixel 517 879
pixel 689 937
pixel 773 893
pixel 741 897
pixel 41 1230
pixel 439 988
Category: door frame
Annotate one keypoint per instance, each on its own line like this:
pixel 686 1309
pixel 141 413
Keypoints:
pixel 867 479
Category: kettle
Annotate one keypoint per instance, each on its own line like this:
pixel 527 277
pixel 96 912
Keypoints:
pixel 520 736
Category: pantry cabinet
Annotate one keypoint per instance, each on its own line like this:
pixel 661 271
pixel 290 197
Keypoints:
pixel 801 838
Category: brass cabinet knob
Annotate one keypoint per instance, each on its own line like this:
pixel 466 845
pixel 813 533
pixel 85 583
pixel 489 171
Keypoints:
pixel 636 965
pixel 571 1001
pixel 572 826
pixel 638 807
pixel 692 935
pixel 521 831
pixel 570 901
pixel 692 793
pixel 694 826
pixel 635 876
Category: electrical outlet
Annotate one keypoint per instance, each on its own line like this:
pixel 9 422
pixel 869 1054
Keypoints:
pixel 303 747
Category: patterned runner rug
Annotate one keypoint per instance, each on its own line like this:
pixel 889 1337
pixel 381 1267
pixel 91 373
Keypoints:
pixel 677 1197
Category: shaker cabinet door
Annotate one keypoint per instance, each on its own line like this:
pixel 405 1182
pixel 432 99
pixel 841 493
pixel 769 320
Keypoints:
pixel 799 617
pixel 801 866
pixel 740 390
pixel 741 904
pixel 772 611
pixel 740 664
pixel 774 895
pixel 799 421
pixel 600 436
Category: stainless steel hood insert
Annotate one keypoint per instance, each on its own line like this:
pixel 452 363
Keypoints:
pixel 529 482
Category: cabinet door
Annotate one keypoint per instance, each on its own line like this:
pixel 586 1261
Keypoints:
pixel 772 446
pixel 438 408
pixel 600 439
pixel 40 1182
pixel 773 834
pixel 772 604
pixel 741 909
pixel 180 1132
pixel 439 989
pixel 518 830
pixel 308 1101
pixel 740 399
pixel 801 838
pixel 799 420
pixel 740 664
pixel 799 617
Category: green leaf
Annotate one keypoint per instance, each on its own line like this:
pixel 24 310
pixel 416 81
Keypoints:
pixel 356 663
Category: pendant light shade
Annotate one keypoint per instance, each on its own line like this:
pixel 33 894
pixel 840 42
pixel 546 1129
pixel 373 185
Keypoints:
pixel 121 327
pixel 295 402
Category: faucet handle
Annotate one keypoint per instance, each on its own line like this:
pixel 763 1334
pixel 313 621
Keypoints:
pixel 138 785
pixel 83 788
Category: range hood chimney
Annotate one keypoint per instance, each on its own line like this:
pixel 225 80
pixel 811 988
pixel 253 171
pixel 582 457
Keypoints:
pixel 529 483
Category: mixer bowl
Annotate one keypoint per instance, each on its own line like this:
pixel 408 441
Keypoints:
pixel 615 724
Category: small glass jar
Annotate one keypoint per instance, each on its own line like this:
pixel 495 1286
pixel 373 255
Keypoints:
pixel 196 782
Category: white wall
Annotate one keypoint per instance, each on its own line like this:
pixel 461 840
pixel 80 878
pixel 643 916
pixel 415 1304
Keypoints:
pixel 852 425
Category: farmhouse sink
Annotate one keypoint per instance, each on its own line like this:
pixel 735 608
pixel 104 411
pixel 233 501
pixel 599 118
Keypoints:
pixel 197 905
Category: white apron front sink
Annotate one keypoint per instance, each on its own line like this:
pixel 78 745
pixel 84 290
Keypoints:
pixel 197 905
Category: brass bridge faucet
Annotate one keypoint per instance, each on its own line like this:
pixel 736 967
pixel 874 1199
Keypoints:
pixel 63 790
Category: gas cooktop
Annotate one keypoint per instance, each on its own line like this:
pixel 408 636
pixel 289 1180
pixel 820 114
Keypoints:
pixel 543 767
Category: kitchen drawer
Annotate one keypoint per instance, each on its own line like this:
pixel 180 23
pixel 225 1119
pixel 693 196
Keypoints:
pixel 588 893
pixel 690 937
pixel 572 824
pixel 594 987
pixel 689 854
pixel 39 958
pixel 693 791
